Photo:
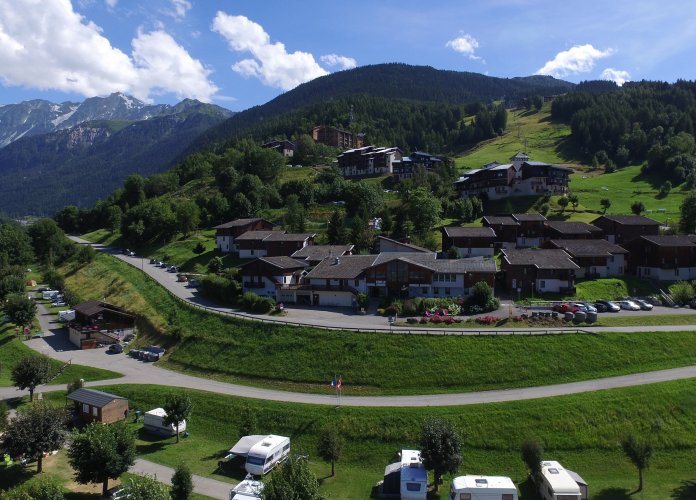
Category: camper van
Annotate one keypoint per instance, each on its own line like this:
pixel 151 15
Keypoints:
pixel 153 421
pixel 483 488
pixel 406 479
pixel 249 489
pixel 558 483
pixel 266 454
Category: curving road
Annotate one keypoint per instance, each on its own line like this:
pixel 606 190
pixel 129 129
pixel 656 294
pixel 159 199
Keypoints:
pixel 56 345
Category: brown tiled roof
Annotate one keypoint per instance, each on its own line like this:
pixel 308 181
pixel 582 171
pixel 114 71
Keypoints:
pixel 588 248
pixel 505 220
pixel 280 236
pixel 542 259
pixel 630 220
pixel 469 232
pixel 528 217
pixel 256 235
pixel 573 227
pixel 239 222
pixel 320 252
pixel 348 267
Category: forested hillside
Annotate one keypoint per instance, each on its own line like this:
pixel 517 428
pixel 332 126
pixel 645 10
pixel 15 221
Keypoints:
pixel 650 122
pixel 77 166
pixel 392 81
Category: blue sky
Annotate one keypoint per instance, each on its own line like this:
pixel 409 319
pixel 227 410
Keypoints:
pixel 241 53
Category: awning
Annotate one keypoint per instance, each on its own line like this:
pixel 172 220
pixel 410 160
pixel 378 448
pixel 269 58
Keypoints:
pixel 241 449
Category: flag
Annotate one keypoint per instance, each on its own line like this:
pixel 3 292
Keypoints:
pixel 339 383
pixel 334 382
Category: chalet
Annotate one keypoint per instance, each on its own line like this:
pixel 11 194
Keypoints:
pixel 337 138
pixel 268 276
pixel 385 245
pixel 596 258
pixel 664 258
pixel 313 254
pixel 418 161
pixel 521 177
pixel 336 281
pixel 569 230
pixel 97 323
pixel 469 241
pixel 284 147
pixel 368 161
pixel 271 243
pixel 423 275
pixel 505 227
pixel 97 406
pixel 532 270
pixel 621 229
pixel 225 234
pixel 530 232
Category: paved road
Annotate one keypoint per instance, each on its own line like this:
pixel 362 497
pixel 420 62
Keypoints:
pixel 345 318
pixel 202 485
pixel 55 344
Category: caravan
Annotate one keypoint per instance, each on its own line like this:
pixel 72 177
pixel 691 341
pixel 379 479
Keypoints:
pixel 249 489
pixel 266 454
pixel 558 483
pixel 153 421
pixel 483 488
pixel 406 479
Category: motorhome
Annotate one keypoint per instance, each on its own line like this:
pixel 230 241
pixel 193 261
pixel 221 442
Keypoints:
pixel 557 483
pixel 483 488
pixel 153 421
pixel 266 454
pixel 406 479
pixel 249 489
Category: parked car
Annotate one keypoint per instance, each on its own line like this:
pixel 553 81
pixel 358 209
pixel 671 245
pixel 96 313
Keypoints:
pixel 193 283
pixel 609 305
pixel 131 253
pixel 59 303
pixel 644 305
pixel 602 308
pixel 172 269
pixel 182 278
pixel 164 265
pixel 563 308
pixel 629 305
pixel 115 348
pixel 585 307
pixel 153 261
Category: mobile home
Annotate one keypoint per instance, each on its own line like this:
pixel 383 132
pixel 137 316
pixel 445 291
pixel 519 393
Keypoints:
pixel 266 454
pixel 153 421
pixel 483 488
pixel 414 477
pixel 557 483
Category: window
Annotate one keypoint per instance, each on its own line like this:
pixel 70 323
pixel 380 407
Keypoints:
pixel 436 290
pixel 507 496
pixel 85 408
pixel 357 282
pixel 413 486
pixel 95 411
pixel 424 290
pixel 465 496
pixel 447 291
pixel 542 284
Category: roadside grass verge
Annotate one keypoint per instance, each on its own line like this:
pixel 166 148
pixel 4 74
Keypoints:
pixel 12 350
pixel 302 358
pixel 603 289
pixel 581 431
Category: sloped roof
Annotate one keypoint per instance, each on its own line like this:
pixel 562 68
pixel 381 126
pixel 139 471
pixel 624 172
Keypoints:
pixel 284 262
pixel 505 220
pixel 93 307
pixel 239 222
pixel 588 248
pixel 469 232
pixel 280 236
pixel 629 220
pixel 415 248
pixel 93 397
pixel 541 259
pixel 348 267
pixel 676 240
pixel 256 235
pixel 528 217
pixel 320 252
pixel 573 227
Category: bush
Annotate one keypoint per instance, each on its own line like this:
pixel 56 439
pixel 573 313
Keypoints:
pixel 263 305
pixel 682 292
pixel 248 300
pixel 363 300
pixel 483 297
pixel 220 289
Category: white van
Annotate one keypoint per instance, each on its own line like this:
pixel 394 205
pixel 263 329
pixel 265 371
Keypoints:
pixel 266 454
pixel 483 488
pixel 153 421
pixel 557 483
pixel 414 477
pixel 50 294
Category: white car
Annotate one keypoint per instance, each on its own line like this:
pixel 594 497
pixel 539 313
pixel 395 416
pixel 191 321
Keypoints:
pixel 629 305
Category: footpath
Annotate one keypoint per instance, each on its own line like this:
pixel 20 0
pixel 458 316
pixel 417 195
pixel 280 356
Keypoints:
pixel 205 486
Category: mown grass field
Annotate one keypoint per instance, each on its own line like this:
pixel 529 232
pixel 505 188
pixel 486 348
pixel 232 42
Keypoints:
pixel 12 350
pixel 581 431
pixel 300 358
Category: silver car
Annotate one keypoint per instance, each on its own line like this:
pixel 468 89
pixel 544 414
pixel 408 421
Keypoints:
pixel 644 305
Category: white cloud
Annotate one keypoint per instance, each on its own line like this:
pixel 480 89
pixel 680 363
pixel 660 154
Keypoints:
pixel 342 62
pixel 47 45
pixel 179 9
pixel 271 63
pixel 465 44
pixel 618 76
pixel 111 3
pixel 577 59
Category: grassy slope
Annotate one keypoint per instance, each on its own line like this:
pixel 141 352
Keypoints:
pixel 581 431
pixel 305 359
pixel 13 349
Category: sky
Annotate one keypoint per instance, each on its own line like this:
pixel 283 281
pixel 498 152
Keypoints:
pixel 242 53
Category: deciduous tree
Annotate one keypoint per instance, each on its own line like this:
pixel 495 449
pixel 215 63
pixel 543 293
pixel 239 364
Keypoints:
pixel 639 453
pixel 20 309
pixel 178 408
pixel 441 448
pixel 30 372
pixel 145 487
pixel 605 203
pixel 687 210
pixel 182 484
pixel 101 452
pixel 637 207
pixel 292 481
pixel 330 446
pixel 532 455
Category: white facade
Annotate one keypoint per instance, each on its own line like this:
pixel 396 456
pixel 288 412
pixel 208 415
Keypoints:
pixel 225 244
pixel 616 265
pixel 552 285
pixel 475 252
pixel 660 274
pixel 250 254
pixel 527 242
pixel 267 288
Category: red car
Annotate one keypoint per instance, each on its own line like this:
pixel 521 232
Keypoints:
pixel 563 308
